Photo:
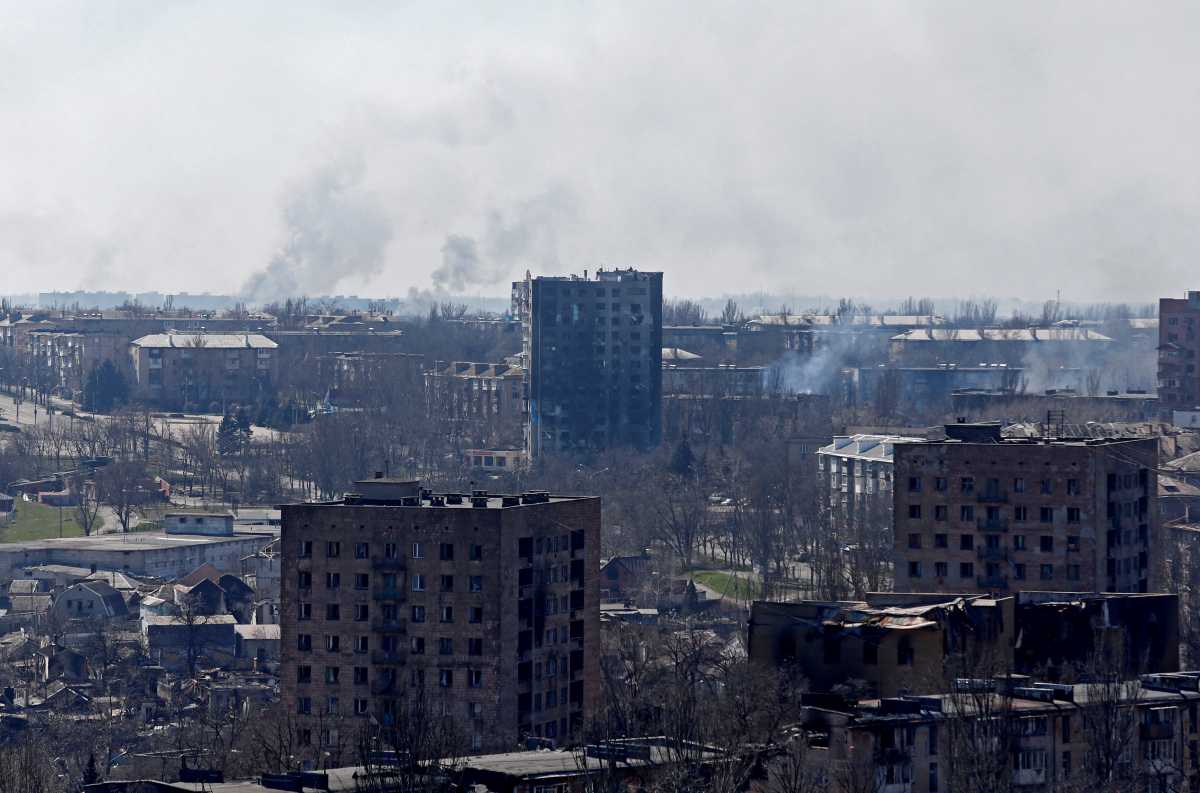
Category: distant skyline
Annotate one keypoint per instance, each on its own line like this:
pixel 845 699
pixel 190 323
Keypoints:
pixel 876 150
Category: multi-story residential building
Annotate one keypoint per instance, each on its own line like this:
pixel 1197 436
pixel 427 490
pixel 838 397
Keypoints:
pixel 485 605
pixel 484 399
pixel 66 358
pixel 978 512
pixel 592 352
pixel 1014 732
pixel 1179 352
pixel 200 369
pixel 856 475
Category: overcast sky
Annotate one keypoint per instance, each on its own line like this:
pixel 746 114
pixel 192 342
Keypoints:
pixel 873 149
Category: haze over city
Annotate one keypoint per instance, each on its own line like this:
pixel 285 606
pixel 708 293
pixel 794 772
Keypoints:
pixel 875 150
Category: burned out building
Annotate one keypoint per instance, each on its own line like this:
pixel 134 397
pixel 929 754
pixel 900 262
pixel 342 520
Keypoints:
pixel 1179 351
pixel 804 421
pixel 887 644
pixel 592 354
pixel 979 512
pixel 484 400
pixel 981 404
pixel 486 606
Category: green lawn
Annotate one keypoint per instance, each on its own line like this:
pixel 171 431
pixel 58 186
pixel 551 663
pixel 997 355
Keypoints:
pixel 38 521
pixel 727 585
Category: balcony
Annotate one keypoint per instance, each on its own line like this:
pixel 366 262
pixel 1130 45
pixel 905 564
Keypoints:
pixel 992 582
pixel 385 657
pixel 992 498
pixel 380 625
pixel 992 554
pixel 992 524
pixel 387 564
pixel 389 594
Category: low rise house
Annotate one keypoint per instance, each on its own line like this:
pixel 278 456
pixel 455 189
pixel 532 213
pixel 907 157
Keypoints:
pixel 257 645
pixel 89 600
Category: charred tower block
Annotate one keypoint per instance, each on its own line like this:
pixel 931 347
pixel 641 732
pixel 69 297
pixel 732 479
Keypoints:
pixel 485 606
pixel 593 358
pixel 978 512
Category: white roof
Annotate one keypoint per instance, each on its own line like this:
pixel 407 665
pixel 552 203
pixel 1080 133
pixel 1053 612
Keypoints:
pixel 866 447
pixel 220 341
pixel 257 632
pixel 1000 334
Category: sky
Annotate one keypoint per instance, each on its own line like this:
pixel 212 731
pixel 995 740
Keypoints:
pixel 874 149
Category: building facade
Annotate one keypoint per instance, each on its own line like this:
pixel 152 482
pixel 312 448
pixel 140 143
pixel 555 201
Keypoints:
pixel 978 512
pixel 1179 352
pixel 200 369
pixel 855 473
pixel 486 606
pixel 592 352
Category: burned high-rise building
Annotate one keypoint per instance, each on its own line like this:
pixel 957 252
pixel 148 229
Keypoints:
pixel 592 351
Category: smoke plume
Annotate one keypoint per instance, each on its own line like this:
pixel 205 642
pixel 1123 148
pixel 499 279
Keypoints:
pixel 335 229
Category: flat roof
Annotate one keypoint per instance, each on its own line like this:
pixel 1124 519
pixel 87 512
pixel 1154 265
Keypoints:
pixel 492 501
pixel 134 541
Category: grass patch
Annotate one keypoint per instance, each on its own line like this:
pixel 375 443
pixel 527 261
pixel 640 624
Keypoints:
pixel 35 521
pixel 727 585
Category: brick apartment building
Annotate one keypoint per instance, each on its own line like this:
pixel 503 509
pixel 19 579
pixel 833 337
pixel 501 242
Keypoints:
pixel 484 399
pixel 980 513
pixel 202 369
pixel 485 605
pixel 1179 352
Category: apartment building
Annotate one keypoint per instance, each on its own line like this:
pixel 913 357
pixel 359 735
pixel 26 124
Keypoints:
pixel 1035 736
pixel 592 353
pixel 1179 352
pixel 855 472
pixel 201 369
pixel 978 512
pixel 484 398
pixel 486 606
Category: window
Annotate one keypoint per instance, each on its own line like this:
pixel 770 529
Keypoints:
pixel 447 583
pixel 966 542
pixel 361 644
pixel 445 678
pixel 914 569
pixel 333 612
pixel 475 678
pixel 417 551
pixel 417 645
pixel 476 582
pixel 331 708
pixel 941 569
pixel 446 552
pixel 1019 484
pixel 362 550
pixel 914 484
pixel 914 541
pixel 1019 571
pixel 445 646
pixel 941 540
pixel 417 677
pixel 476 553
pixel 447 613
pixel 360 675
pixel 304 642
pixel 968 485
pixel 475 615
pixel 1072 487
pixel 333 550
pixel 1046 544
pixel 941 512
pixel 303 674
pixel 475 709
pixel 1020 514
pixel 333 643
pixel 474 646
pixel 331 675
pixel 1073 543
pixel 1047 572
pixel 1018 542
pixel 1047 487
pixel 418 613
pixel 360 707
pixel 1073 572
pixel 1073 514
pixel 966 513
pixel 1046 514
pixel 304 612
pixel 304 705
pixel 391 551
pixel 362 581
pixel 333 580
pixel 306 549
pixel 418 582
pixel 939 484
pixel 966 570
pixel 304 579
pixel 914 511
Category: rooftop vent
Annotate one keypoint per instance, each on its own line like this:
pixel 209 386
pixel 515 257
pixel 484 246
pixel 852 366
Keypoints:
pixel 453 498
pixel 479 502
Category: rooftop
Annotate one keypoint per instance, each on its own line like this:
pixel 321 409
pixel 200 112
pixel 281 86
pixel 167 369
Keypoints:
pixel 866 447
pixel 1001 335
pixel 134 541
pixel 202 341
